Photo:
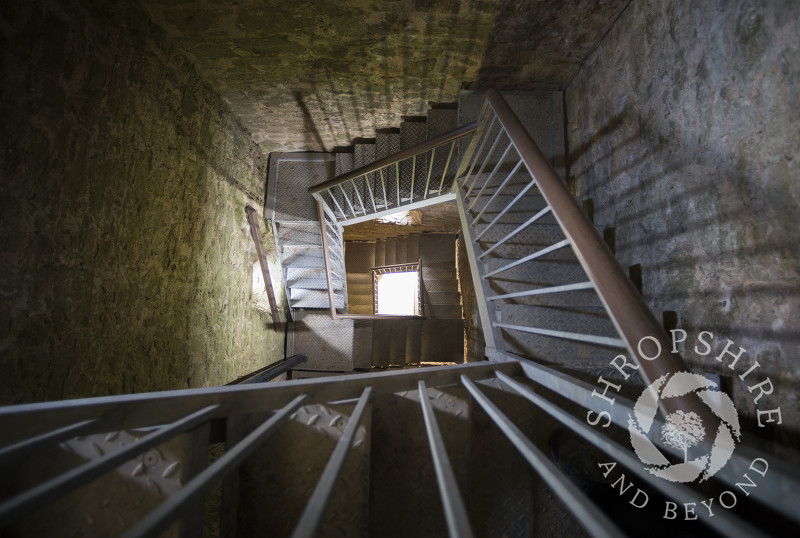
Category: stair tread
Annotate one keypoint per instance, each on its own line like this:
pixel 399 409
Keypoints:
pixel 313 284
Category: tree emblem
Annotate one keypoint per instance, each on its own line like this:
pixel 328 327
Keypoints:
pixel 683 431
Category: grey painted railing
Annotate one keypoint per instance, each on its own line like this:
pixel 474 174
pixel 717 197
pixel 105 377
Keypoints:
pixel 34 427
pixel 410 179
pixel 502 151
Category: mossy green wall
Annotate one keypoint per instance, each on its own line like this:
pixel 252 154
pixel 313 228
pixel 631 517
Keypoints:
pixel 126 254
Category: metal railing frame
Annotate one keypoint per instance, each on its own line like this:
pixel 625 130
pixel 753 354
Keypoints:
pixel 172 412
pixel 641 335
pixel 354 211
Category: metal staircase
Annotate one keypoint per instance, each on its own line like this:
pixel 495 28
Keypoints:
pixel 500 447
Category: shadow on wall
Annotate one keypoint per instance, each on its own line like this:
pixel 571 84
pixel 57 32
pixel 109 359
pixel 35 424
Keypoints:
pixel 402 75
pixel 689 151
pixel 541 45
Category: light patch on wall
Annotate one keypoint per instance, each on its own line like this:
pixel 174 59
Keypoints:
pixel 403 218
pixel 398 294
pixel 260 298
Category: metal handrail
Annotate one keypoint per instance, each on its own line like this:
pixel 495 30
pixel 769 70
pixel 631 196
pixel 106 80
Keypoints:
pixel 641 334
pixel 625 305
pixel 407 153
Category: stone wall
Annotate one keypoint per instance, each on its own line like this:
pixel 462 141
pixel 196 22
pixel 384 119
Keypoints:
pixel 682 128
pixel 127 259
pixel 310 76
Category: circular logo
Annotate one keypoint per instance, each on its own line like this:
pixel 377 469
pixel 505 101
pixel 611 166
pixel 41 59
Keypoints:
pixel 683 430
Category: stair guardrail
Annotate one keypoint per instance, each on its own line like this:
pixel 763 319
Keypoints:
pixel 501 150
pixel 409 179
pixel 207 414
pixel 34 427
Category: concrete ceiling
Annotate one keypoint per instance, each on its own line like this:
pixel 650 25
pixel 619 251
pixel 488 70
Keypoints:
pixel 313 75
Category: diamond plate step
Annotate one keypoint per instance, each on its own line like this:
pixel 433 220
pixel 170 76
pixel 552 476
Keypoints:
pixel 380 253
pixel 363 153
pixel 412 249
pixel 433 285
pixel 302 298
pixel 298 235
pixel 290 192
pixel 413 131
pixel 401 250
pixel 442 340
pixel 437 273
pixel 391 252
pixel 441 120
pixel 344 162
pixel 443 297
pixel 387 142
pixel 296 277
pixel 449 312
pixel 314 284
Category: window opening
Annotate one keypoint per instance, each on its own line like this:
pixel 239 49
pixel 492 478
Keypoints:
pixel 397 290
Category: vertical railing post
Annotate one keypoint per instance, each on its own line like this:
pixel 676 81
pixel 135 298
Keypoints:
pixel 326 257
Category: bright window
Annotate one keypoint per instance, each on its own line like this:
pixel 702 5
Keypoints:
pixel 398 294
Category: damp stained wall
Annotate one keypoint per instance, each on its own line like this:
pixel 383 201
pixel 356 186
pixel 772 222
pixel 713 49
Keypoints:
pixel 683 129
pixel 126 253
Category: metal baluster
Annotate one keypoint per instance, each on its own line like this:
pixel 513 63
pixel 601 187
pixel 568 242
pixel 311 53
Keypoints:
pixel 446 165
pixel 519 228
pixel 516 199
pixel 397 177
pixel 335 201
pixel 413 176
pixel 162 517
pixel 584 510
pixel 489 179
pixel 312 515
pixel 485 162
pixel 617 343
pixel 543 291
pixel 537 254
pixel 725 520
pixel 59 486
pixel 22 448
pixel 499 189
pixel 360 201
pixel 385 198
pixel 476 157
pixel 371 196
pixel 347 199
pixel 430 169
pixel 454 510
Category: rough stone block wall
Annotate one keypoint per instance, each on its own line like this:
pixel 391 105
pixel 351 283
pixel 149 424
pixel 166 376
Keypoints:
pixel 126 253
pixel 682 127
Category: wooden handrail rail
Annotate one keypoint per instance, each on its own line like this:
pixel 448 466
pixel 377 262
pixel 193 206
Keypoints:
pixel 409 152
pixel 255 232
